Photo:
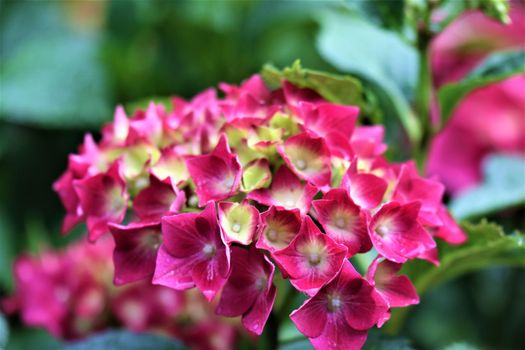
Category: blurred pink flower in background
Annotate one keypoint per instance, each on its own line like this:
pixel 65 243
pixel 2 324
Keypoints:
pixel 470 39
pixel 489 120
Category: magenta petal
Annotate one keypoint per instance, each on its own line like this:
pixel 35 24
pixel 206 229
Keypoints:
pixel 172 272
pixel 157 200
pixel 343 221
pixel 396 234
pixel 207 277
pixel 278 228
pixel 286 191
pixel 312 259
pixel 398 291
pixel 365 307
pixel 339 335
pixel 216 175
pixel 310 319
pixel 249 290
pixel 135 251
pixel 103 199
pixel 255 319
pixel 308 156
pixel 326 118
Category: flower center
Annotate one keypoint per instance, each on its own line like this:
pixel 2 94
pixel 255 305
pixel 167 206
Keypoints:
pixel 272 235
pixel 382 230
pixel 314 259
pixel 236 227
pixel 289 203
pixel 340 222
pixel 260 283
pixel 209 250
pixel 300 164
pixel 334 303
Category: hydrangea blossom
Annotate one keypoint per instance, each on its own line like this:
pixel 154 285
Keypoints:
pixel 226 193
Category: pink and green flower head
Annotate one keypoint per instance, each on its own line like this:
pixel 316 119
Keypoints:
pixel 366 190
pixel 278 228
pixel 238 221
pixel 103 199
pixel 249 291
pixel 396 233
pixel 160 198
pixel 193 253
pixel 339 315
pixel 396 289
pixel 217 175
pixel 287 191
pixel 343 221
pixel 312 258
pixel 308 156
pixel 135 253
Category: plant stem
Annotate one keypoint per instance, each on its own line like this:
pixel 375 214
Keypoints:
pixel 424 89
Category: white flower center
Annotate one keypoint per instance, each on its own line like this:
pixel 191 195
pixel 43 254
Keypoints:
pixel 289 203
pixel 209 250
pixel 236 227
pixel 382 230
pixel 314 259
pixel 340 223
pixel 300 164
pixel 272 235
pixel 334 303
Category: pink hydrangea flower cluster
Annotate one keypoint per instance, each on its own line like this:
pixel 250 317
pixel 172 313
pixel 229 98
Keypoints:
pixel 220 191
pixel 70 293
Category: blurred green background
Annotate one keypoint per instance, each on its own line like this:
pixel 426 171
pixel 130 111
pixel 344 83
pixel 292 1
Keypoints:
pixel 66 64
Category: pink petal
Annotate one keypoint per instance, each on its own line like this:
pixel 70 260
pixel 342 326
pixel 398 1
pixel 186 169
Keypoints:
pixel 135 251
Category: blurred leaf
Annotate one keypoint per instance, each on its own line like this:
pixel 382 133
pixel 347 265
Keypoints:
pixel 461 346
pixel 503 187
pixel 4 332
pixel 498 66
pixel 302 344
pixel 379 341
pixel 487 245
pixel 31 338
pixel 143 104
pixel 124 340
pixel 379 57
pixel 7 252
pixel 335 88
pixel 387 14
pixel 51 74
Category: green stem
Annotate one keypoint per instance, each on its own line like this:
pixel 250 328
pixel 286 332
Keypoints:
pixel 424 91
pixel 288 299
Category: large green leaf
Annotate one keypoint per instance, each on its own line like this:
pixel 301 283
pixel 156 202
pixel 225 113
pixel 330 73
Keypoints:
pixel 503 187
pixel 342 89
pixel 51 75
pixel 124 340
pixel 487 245
pixel 23 338
pixel 497 67
pixel 377 56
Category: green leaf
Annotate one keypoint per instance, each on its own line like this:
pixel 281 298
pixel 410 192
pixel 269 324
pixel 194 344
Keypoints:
pixel 487 245
pixel 124 340
pixel 51 75
pixel 377 56
pixel 503 187
pixel 336 88
pixel 4 332
pixel 461 346
pixel 23 338
pixel 497 67
pixel 378 341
